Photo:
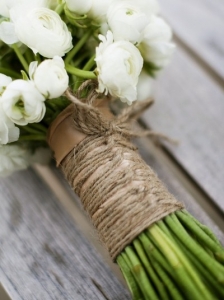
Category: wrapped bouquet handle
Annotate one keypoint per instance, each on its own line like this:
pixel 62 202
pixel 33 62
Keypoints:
pixel 144 228
pixel 120 192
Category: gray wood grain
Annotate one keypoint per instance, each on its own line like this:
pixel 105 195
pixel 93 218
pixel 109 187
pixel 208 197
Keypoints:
pixel 42 253
pixel 199 24
pixel 189 107
pixel 174 186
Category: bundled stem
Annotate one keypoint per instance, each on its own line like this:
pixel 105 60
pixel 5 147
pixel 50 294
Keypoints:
pixel 180 258
pixel 163 252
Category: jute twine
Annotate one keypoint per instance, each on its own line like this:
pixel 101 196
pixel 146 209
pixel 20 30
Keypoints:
pixel 119 191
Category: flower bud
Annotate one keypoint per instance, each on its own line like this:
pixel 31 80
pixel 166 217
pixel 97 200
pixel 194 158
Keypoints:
pixel 80 7
pixel 50 77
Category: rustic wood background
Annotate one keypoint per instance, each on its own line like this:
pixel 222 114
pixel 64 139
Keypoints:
pixel 48 248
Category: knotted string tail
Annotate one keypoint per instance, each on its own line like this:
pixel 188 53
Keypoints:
pixel 119 191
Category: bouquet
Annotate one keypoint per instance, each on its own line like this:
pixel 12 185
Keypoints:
pixel 63 66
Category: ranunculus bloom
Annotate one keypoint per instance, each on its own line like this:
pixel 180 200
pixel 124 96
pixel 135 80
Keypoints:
pixel 155 45
pixel 79 6
pixel 4 81
pixel 4 10
pixel 12 158
pixel 99 9
pixel 41 29
pixel 50 77
pixel 23 103
pixel 7 28
pixel 118 66
pixel 8 132
pixel 128 18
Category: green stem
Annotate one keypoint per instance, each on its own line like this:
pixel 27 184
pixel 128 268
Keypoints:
pixel 29 130
pixel 39 137
pixel 160 264
pixel 192 282
pixel 59 9
pixel 140 275
pixel 39 127
pixel 78 83
pixel 201 235
pixel 21 58
pixel 37 58
pixel 124 266
pixel 29 55
pixel 212 265
pixel 152 274
pixel 80 73
pixel 76 62
pixel 90 63
pixel 10 73
pixel 78 46
pixel 203 227
pixel 207 276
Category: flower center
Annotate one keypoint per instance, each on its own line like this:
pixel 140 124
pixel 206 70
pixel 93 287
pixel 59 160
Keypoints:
pixel 19 105
pixel 129 12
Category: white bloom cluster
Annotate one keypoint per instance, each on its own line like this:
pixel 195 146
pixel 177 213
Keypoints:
pixel 23 102
pixel 136 34
pixel 134 44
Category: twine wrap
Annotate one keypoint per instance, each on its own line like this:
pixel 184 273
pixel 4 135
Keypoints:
pixel 119 191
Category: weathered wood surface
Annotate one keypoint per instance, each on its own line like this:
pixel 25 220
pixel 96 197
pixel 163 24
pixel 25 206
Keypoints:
pixel 199 25
pixel 44 256
pixel 189 107
pixel 174 186
pixel 42 253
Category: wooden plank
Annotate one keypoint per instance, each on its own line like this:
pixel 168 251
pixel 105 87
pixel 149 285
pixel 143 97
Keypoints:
pixel 189 107
pixel 42 254
pixel 162 169
pixel 199 24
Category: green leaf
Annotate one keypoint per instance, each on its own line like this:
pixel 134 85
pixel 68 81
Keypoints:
pixel 151 68
pixel 24 75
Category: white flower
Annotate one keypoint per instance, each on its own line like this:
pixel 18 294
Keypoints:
pixel 128 18
pixel 8 132
pixel 155 45
pixel 144 87
pixel 7 28
pixel 53 3
pixel 23 103
pixel 118 66
pixel 41 29
pixel 7 33
pixel 98 10
pixel 12 158
pixel 6 5
pixel 95 9
pixel 50 77
pixel 4 10
pixel 4 81
pixel 80 7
